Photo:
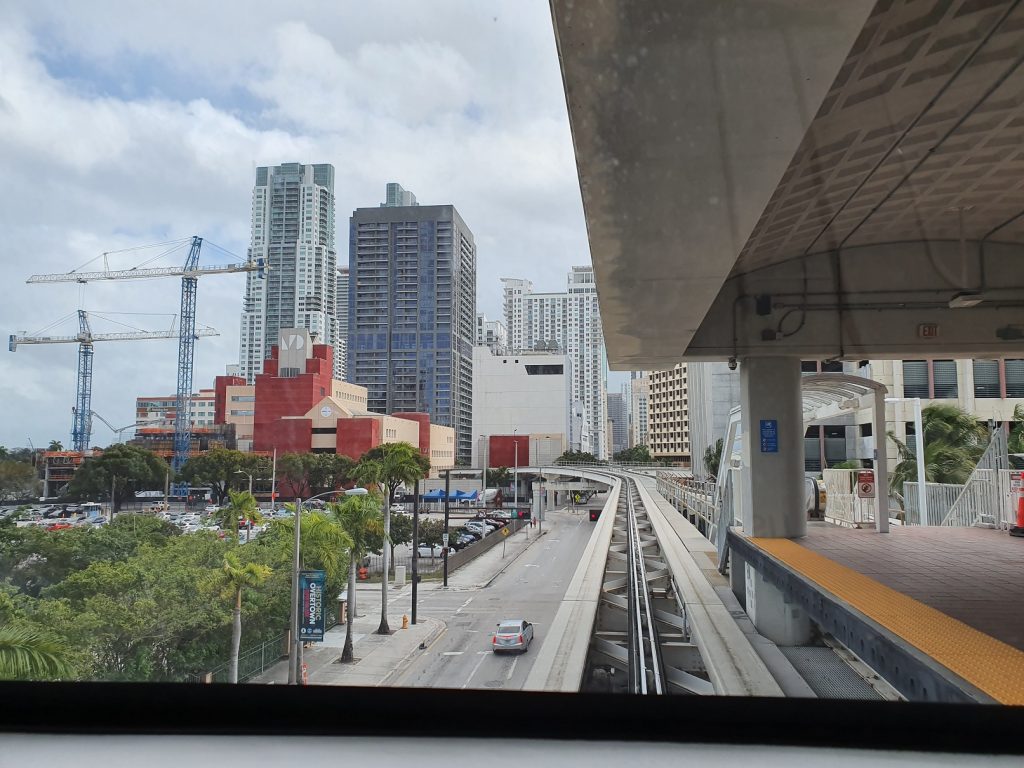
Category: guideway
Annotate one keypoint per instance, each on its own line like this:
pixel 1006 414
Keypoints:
pixel 641 614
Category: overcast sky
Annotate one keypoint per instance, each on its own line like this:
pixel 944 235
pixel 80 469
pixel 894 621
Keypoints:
pixel 124 124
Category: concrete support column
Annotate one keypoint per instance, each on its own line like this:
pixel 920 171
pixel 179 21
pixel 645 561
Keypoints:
pixel 773 447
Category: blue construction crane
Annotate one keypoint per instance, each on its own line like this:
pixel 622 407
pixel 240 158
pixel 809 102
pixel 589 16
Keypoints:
pixel 189 273
pixel 81 429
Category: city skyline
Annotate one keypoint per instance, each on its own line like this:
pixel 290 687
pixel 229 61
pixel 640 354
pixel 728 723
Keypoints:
pixel 133 150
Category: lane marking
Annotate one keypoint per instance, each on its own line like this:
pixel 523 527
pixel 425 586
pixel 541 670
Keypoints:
pixel 459 609
pixel 452 653
pixel 475 668
pixel 512 668
pixel 531 565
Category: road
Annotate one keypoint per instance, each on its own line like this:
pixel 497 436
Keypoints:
pixel 532 588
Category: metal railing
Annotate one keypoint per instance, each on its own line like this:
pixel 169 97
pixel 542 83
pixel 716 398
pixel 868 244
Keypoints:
pixel 981 502
pixel 986 500
pixel 252 662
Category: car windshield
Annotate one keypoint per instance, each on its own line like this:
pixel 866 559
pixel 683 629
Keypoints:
pixel 512 628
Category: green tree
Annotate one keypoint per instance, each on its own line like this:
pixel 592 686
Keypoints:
pixel 241 506
pixel 17 480
pixel 390 465
pixel 155 616
pixel 235 578
pixel 323 542
pixel 578 457
pixel 361 520
pixel 27 653
pixel 713 458
pixel 638 454
pixel 55 445
pixel 132 469
pixel 223 469
pixel 499 477
pixel 401 533
pixel 431 532
pixel 1016 439
pixel 953 443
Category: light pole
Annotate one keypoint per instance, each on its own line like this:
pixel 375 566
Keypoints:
pixel 922 496
pixel 483 472
pixel 445 534
pixel 295 646
pixel 515 474
pixel 243 472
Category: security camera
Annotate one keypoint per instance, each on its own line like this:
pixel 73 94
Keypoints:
pixel 732 363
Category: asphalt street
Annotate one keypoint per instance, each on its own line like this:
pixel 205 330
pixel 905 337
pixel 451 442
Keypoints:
pixel 530 588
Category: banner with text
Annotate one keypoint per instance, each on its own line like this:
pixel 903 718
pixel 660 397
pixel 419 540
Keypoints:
pixel 311 602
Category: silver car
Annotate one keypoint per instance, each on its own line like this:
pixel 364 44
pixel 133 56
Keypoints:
pixel 512 635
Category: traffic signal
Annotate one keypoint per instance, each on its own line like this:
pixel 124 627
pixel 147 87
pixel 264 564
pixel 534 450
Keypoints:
pixel 594 514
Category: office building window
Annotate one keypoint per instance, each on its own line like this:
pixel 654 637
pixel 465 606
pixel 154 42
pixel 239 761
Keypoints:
pixel 915 378
pixel 1015 378
pixel 986 378
pixel 944 373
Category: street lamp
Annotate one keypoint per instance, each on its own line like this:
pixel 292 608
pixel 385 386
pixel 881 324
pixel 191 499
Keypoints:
pixel 515 475
pixel 243 472
pixel 483 472
pixel 922 496
pixel 295 646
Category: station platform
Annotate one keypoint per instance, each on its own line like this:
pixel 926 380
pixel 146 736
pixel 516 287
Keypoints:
pixel 938 612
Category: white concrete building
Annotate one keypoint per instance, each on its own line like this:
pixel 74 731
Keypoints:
pixel 714 391
pixel 569 322
pixel 524 392
pixel 639 394
pixel 491 333
pixel 293 232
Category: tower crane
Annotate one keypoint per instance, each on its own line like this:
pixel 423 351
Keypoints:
pixel 189 273
pixel 81 429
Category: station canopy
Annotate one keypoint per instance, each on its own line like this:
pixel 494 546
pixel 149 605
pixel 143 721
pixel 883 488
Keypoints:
pixel 838 180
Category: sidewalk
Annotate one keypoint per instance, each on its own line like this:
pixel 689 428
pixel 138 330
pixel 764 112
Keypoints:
pixel 380 658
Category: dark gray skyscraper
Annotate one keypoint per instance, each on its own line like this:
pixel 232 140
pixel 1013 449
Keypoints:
pixel 293 231
pixel 412 311
pixel 618 415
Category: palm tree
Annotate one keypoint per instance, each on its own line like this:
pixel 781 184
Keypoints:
pixel 1016 440
pixel 56 445
pixel 241 506
pixel 361 520
pixel 28 654
pixel 953 443
pixel 389 466
pixel 713 458
pixel 322 540
pixel 237 577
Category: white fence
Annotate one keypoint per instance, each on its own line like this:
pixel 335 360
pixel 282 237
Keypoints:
pixel 842 505
pixel 987 500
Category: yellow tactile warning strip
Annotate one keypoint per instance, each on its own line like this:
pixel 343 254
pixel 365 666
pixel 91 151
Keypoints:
pixel 990 665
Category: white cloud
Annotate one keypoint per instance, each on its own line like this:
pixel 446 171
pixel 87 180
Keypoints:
pixel 123 125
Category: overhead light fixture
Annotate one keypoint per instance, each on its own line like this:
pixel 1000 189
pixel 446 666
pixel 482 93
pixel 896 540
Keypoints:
pixel 966 299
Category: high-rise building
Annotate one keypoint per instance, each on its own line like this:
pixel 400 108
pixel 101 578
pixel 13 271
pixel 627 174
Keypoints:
pixel 668 418
pixel 412 312
pixel 491 333
pixel 569 322
pixel 618 415
pixel 514 290
pixel 341 312
pixel 293 231
pixel 397 196
pixel 639 393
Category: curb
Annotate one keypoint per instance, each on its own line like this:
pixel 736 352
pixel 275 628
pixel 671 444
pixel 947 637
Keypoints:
pixel 439 629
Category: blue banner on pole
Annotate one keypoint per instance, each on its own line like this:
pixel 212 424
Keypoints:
pixel 311 605
pixel 769 436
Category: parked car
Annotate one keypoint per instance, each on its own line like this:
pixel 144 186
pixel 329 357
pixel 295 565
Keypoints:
pixel 475 534
pixel 212 508
pixel 512 635
pixel 425 551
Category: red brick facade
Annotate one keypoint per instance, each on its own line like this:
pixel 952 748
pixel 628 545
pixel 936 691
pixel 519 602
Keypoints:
pixel 220 394
pixel 356 436
pixel 501 450
pixel 277 398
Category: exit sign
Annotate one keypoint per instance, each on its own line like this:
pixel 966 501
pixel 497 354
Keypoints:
pixel 928 330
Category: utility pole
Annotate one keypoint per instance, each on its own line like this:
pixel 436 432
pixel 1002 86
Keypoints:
pixel 415 547
pixel 113 479
pixel 273 482
pixel 295 655
pixel 447 492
